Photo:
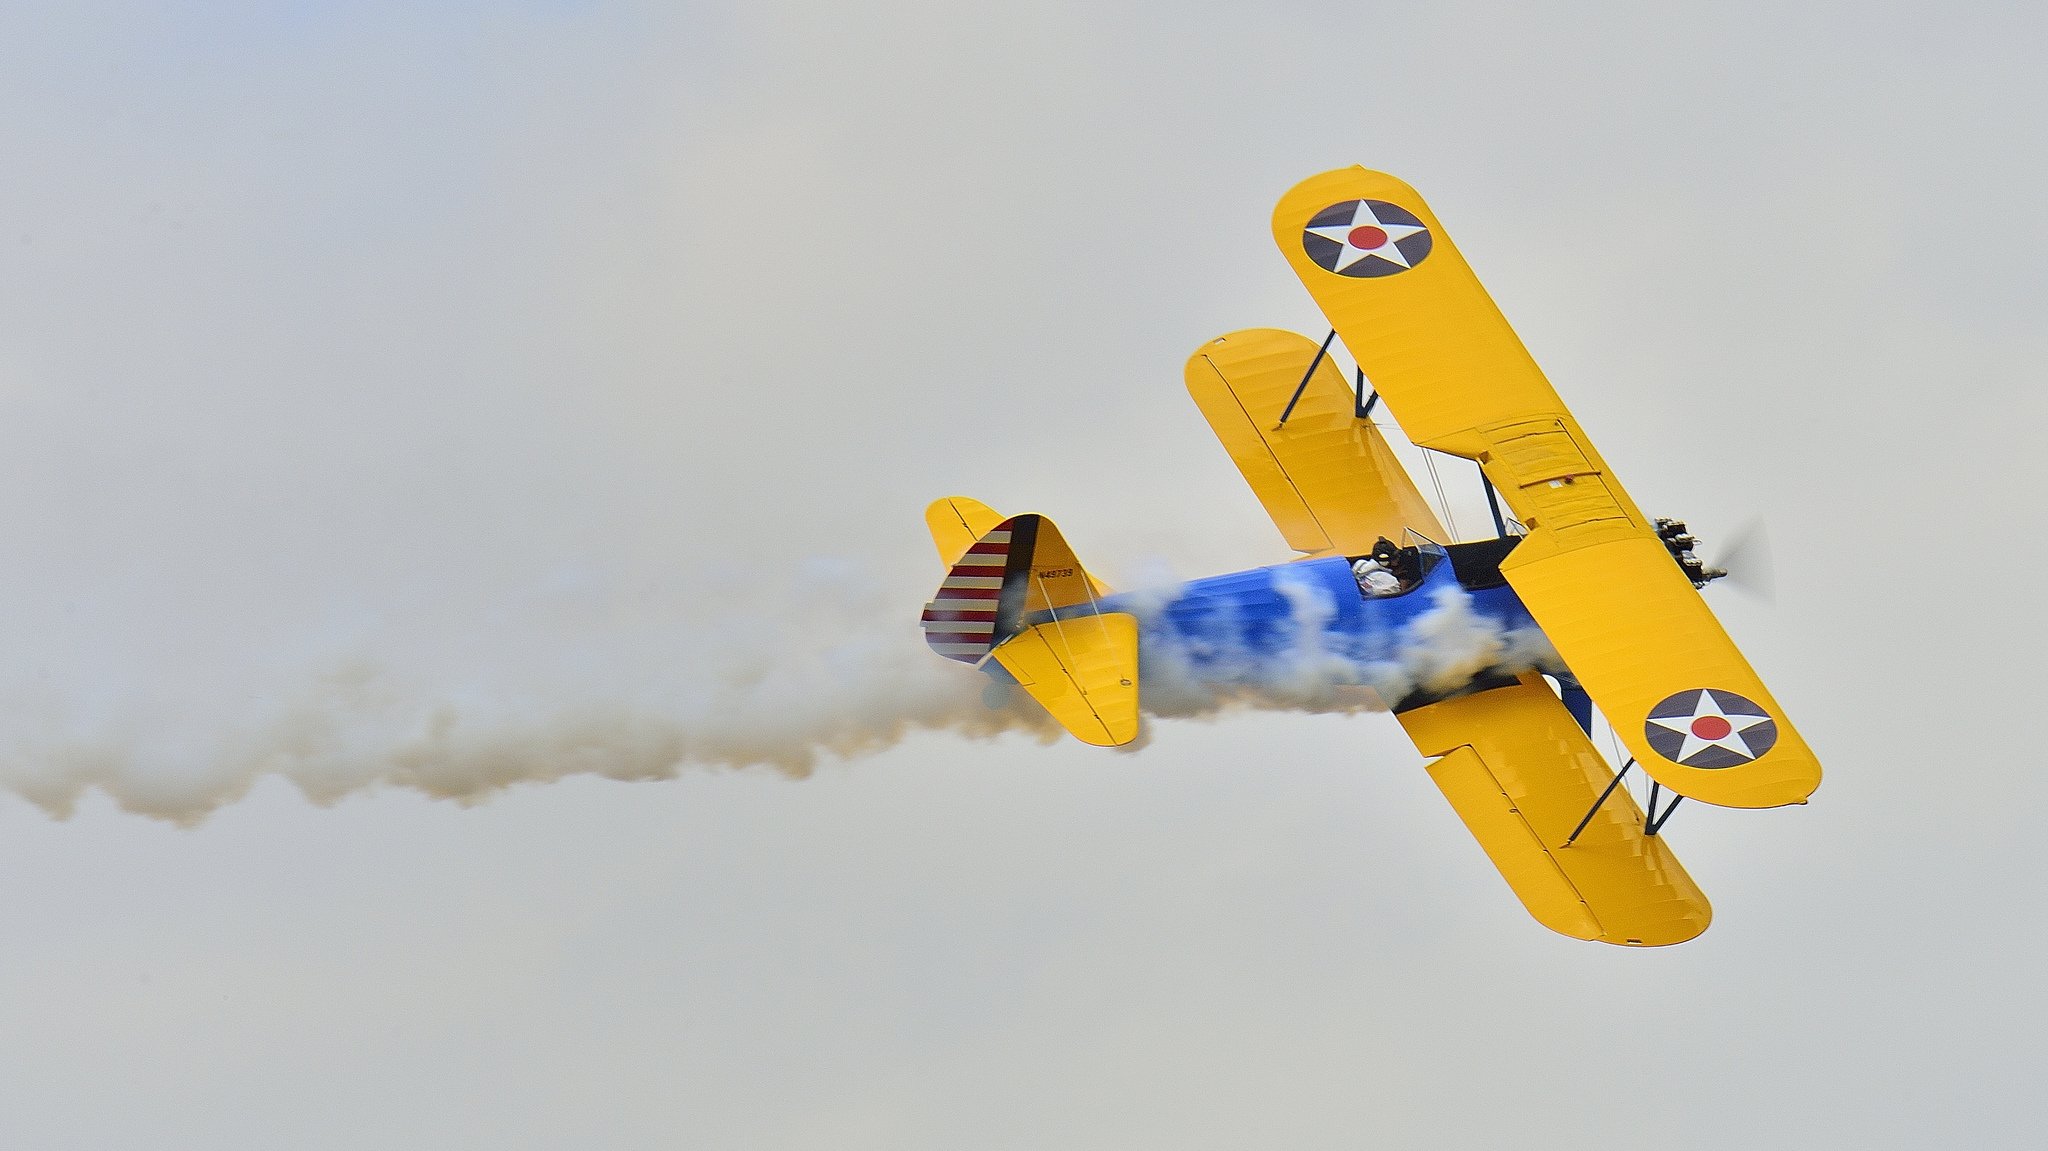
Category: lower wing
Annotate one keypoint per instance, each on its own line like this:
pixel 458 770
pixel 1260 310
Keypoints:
pixel 1522 776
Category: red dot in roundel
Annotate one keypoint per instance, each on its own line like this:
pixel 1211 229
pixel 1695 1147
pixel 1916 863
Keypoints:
pixel 1366 237
pixel 1711 727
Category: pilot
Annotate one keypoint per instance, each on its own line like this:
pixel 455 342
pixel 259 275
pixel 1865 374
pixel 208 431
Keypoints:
pixel 1374 578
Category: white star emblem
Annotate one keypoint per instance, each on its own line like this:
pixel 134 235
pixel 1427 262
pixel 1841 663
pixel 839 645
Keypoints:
pixel 1367 235
pixel 1711 725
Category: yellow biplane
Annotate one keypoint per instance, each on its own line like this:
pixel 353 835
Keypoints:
pixel 1579 586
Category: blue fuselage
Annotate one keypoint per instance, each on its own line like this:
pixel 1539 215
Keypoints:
pixel 1304 629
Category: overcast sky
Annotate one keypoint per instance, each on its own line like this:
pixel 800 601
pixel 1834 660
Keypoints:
pixel 524 352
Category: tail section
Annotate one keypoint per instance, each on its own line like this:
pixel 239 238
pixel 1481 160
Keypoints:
pixel 1015 591
pixel 966 620
pixel 955 523
pixel 1083 671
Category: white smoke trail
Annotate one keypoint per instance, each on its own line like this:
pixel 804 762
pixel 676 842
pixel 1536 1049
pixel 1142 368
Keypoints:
pixel 827 664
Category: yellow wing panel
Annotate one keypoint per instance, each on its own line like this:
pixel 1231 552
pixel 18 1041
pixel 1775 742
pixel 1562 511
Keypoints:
pixel 1591 570
pixel 1328 479
pixel 1084 671
pixel 955 523
pixel 1429 338
pixel 1638 636
pixel 1521 775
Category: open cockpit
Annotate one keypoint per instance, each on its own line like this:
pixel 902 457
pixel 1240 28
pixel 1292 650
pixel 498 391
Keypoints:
pixel 1393 570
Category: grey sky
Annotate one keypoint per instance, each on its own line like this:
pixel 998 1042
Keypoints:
pixel 514 347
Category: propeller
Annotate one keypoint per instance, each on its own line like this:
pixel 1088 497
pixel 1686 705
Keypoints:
pixel 1746 557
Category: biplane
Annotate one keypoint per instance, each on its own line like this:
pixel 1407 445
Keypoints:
pixel 1589 603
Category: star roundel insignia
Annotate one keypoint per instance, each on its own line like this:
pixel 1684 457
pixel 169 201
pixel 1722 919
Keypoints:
pixel 1707 727
pixel 1366 238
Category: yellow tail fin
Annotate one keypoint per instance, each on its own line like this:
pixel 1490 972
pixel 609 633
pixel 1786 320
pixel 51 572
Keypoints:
pixel 956 522
pixel 1015 591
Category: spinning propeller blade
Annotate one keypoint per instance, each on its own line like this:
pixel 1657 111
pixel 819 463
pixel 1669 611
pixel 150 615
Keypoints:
pixel 1746 557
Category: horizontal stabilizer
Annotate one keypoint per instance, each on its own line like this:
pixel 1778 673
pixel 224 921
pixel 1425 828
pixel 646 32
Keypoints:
pixel 1522 775
pixel 1084 671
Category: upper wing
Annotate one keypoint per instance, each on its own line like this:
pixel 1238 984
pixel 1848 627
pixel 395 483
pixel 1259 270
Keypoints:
pixel 1326 477
pixel 1521 775
pixel 1592 571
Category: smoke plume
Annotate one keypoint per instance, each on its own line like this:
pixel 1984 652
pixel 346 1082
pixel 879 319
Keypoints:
pixel 826 665
pixel 783 674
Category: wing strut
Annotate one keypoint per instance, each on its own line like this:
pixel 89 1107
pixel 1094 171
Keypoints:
pixel 1363 408
pixel 1652 822
pixel 1305 378
pixel 1500 526
pixel 1594 810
